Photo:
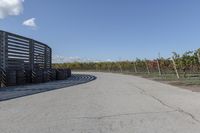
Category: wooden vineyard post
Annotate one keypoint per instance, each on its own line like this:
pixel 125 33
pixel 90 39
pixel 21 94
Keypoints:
pixel 120 67
pixel 198 55
pixel 109 67
pixel 99 67
pixel 96 67
pixel 146 63
pixel 175 68
pixel 158 65
pixel 135 67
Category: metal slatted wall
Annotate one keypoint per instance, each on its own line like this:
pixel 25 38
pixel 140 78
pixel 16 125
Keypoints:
pixel 23 57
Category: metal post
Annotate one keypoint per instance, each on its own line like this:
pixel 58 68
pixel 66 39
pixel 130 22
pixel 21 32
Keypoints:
pixel 31 59
pixel 4 58
pixel 1 46
pixel 45 58
pixel 50 58
pixel 31 54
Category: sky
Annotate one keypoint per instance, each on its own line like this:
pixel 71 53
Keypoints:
pixel 106 29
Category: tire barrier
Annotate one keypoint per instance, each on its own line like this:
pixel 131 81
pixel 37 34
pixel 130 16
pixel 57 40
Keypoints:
pixel 19 91
pixel 20 77
pixel 11 78
pixel 17 77
pixel 62 74
pixel 53 75
pixel 37 76
pixel 69 73
pixel 3 78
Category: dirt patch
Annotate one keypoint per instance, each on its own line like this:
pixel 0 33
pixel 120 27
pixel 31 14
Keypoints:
pixel 182 85
pixel 189 84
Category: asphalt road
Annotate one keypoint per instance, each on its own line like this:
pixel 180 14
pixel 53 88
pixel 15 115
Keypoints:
pixel 112 103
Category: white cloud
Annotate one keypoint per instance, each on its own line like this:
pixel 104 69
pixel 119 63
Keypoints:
pixel 30 23
pixel 10 8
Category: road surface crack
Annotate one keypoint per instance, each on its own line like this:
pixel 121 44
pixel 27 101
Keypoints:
pixel 119 115
pixel 189 114
pixel 142 91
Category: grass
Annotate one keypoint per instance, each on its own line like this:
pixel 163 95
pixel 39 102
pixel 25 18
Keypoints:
pixel 189 82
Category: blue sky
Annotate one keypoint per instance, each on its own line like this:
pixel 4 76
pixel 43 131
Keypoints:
pixel 111 29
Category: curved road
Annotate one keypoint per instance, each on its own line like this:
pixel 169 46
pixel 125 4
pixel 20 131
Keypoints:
pixel 112 103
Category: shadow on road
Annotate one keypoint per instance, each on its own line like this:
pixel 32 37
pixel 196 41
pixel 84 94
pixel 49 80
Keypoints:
pixel 21 91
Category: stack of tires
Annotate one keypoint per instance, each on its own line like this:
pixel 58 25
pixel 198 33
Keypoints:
pixel 61 74
pixel 21 77
pixel 28 76
pixel 69 73
pixel 11 78
pixel 53 74
pixel 37 76
pixel 46 76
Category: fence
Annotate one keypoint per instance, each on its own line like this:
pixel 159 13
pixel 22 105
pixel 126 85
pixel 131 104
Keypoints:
pixel 24 60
